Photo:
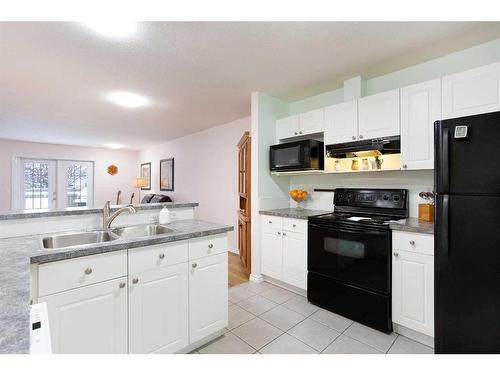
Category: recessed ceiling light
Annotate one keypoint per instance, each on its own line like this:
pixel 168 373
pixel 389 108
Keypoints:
pixel 114 146
pixel 113 29
pixel 127 99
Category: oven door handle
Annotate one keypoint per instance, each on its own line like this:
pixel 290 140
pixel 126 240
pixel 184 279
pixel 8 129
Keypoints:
pixel 343 230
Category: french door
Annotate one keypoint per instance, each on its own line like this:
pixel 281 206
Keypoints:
pixel 47 184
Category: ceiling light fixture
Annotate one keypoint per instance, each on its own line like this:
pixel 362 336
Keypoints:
pixel 114 146
pixel 113 29
pixel 128 99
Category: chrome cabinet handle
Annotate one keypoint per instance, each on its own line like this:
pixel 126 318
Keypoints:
pixel 122 285
pixel 295 133
pixel 360 136
pixel 279 233
pixel 353 137
pixel 396 254
pixel 284 234
pixel 210 246
pixel 412 243
pixel 300 132
pixel 405 166
pixel 88 271
pixel 270 222
pixel 294 225
pixel 161 256
pixel 135 280
pixel 194 265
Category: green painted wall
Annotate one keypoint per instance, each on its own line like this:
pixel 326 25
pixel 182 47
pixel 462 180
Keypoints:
pixel 469 58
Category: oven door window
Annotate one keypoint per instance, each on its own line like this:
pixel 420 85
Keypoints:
pixel 287 157
pixel 355 257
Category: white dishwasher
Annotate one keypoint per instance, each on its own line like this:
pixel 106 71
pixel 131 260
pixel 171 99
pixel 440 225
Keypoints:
pixel 39 329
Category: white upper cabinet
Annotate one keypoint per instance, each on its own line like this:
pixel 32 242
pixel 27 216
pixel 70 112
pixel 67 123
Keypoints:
pixel 420 107
pixel 472 92
pixel 379 115
pixel 341 123
pixel 312 122
pixel 287 127
pixel 298 125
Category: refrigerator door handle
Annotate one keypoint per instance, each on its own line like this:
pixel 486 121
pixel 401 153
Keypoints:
pixel 445 161
pixel 445 240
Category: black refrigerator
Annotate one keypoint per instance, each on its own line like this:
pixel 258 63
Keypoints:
pixel 467 234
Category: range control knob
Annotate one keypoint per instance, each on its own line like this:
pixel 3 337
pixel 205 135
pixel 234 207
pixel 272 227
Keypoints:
pixel 385 197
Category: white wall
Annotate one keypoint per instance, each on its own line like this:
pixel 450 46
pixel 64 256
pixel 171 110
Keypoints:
pixel 206 171
pixel 414 181
pixel 105 185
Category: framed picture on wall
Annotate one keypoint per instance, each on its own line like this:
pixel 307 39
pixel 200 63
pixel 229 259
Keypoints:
pixel 146 174
pixel 167 174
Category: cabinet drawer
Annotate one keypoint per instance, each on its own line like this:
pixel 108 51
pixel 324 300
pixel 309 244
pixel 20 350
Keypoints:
pixel 414 242
pixel 295 225
pixel 150 257
pixel 73 273
pixel 271 224
pixel 209 245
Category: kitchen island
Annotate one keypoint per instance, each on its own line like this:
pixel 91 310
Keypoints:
pixel 190 246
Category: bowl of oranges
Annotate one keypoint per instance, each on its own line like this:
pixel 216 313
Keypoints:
pixel 298 196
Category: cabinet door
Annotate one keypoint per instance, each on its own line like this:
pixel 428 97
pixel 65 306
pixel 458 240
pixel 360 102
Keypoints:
pixel 208 288
pixel 312 122
pixel 413 291
pixel 341 123
pixel 379 115
pixel 272 254
pixel 158 310
pixel 420 107
pixel 89 320
pixel 295 259
pixel 287 127
pixel 472 92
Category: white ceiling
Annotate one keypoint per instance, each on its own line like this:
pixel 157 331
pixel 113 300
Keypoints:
pixel 54 76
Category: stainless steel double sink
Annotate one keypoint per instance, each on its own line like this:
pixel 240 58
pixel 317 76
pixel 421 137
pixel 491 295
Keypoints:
pixel 60 241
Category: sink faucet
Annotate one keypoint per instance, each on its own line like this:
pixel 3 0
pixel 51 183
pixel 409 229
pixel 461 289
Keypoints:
pixel 107 217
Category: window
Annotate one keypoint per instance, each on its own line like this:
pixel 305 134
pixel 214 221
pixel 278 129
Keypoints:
pixel 46 184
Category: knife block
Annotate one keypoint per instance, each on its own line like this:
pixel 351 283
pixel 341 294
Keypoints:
pixel 426 212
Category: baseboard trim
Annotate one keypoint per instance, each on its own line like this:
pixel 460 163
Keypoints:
pixel 200 343
pixel 414 335
pixel 234 250
pixel 284 285
pixel 256 278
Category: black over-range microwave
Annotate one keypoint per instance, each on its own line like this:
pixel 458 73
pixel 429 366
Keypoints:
pixel 305 155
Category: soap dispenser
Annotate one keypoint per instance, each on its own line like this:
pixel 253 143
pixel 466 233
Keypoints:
pixel 165 217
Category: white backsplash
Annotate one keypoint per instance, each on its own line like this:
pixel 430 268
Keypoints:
pixel 414 181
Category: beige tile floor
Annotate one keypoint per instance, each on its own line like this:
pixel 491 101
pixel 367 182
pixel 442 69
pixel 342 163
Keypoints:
pixel 266 319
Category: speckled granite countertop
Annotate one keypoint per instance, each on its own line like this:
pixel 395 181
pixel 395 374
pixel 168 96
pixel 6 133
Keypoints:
pixel 17 253
pixel 28 214
pixel 295 213
pixel 412 224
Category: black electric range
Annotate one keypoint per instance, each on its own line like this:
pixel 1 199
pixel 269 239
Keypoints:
pixel 349 255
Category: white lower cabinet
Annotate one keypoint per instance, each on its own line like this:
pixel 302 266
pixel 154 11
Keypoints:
pixel 413 287
pixel 272 254
pixel 284 250
pixel 89 320
pixel 295 259
pixel 208 293
pixel 166 301
pixel 158 310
